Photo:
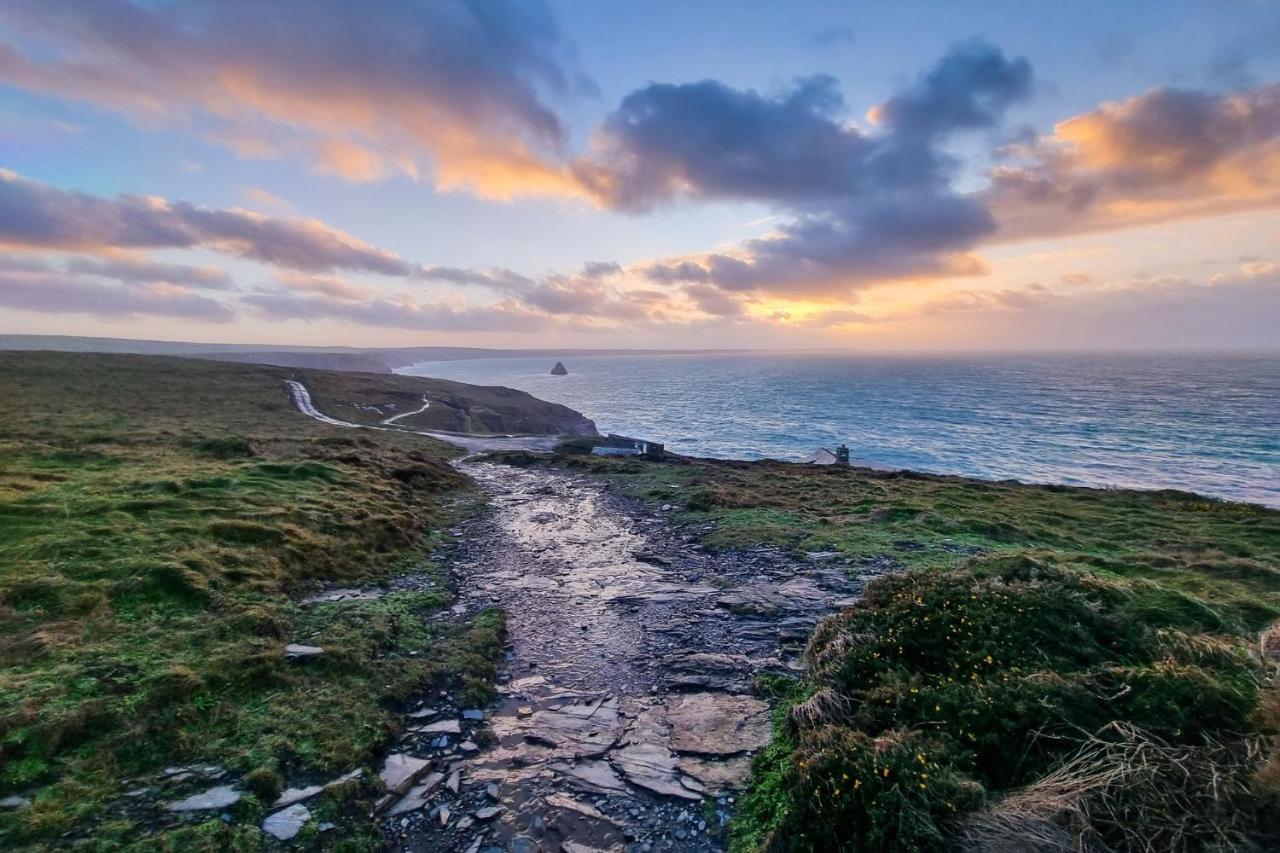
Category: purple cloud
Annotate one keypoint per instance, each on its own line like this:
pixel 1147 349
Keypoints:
pixel 865 205
pixel 39 216
pixel 57 294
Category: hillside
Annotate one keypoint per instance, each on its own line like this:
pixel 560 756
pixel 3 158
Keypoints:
pixel 161 520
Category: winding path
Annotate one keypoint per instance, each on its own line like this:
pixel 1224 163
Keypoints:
pixel 471 443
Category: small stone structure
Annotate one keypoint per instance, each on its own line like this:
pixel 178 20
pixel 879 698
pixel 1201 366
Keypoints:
pixel 621 445
pixel 822 456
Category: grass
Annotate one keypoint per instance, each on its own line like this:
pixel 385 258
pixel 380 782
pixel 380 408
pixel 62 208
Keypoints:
pixel 1051 668
pixel 454 406
pixel 158 518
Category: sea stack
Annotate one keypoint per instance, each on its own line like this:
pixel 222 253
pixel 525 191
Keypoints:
pixel 559 369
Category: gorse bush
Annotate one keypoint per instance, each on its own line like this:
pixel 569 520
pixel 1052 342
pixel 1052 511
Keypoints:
pixel 941 691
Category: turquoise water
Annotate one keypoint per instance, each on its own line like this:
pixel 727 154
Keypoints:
pixel 1207 424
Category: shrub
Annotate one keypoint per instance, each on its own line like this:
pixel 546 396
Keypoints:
pixel 940 691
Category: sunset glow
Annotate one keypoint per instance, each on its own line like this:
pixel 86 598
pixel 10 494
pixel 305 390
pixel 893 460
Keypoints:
pixel 491 175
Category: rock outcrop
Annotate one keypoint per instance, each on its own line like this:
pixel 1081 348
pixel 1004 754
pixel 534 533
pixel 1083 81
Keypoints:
pixel 559 369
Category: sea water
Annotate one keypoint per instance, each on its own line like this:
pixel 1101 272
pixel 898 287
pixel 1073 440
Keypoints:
pixel 1202 423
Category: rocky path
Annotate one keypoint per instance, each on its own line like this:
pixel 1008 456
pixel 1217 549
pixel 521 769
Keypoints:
pixel 626 720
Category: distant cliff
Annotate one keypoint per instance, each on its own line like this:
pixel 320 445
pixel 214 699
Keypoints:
pixel 452 406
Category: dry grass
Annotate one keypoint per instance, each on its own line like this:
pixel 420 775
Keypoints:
pixel 1132 789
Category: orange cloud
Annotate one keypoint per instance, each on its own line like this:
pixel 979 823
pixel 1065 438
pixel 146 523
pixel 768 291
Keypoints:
pixel 1161 156
pixel 364 91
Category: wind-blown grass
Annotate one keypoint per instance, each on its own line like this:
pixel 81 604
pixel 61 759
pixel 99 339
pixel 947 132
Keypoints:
pixel 158 518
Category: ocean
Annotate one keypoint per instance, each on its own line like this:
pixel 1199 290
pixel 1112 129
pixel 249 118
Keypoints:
pixel 1202 423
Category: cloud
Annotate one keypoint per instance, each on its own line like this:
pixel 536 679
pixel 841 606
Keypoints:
pixel 133 270
pixel 864 205
pixel 1235 309
pixel 963 301
pixel 1164 155
pixel 396 313
pixel 600 269
pixel 832 319
pixel 496 278
pixel 364 90
pixel 714 301
pixel 69 294
pixel 324 285
pixel 39 216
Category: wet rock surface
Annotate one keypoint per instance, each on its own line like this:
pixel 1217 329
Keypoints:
pixel 625 719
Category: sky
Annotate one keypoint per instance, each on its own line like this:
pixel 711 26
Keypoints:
pixel 873 176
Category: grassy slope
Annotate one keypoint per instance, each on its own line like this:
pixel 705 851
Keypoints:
pixel 1108 635
pixel 156 515
pixel 455 406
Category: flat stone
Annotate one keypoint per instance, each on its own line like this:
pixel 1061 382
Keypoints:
pixel 717 723
pixel 690 670
pixel 285 824
pixel 473 714
pixel 488 812
pixel 444 815
pixel 14 802
pixel 593 776
pixel 215 798
pixel 564 801
pixel 422 713
pixel 727 774
pixel 651 766
pixel 417 796
pixel 294 651
pixel 296 795
pixel 527 682
pixel 455 781
pixel 587 729
pixel 442 727
pixel 400 771
pixel 577 847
